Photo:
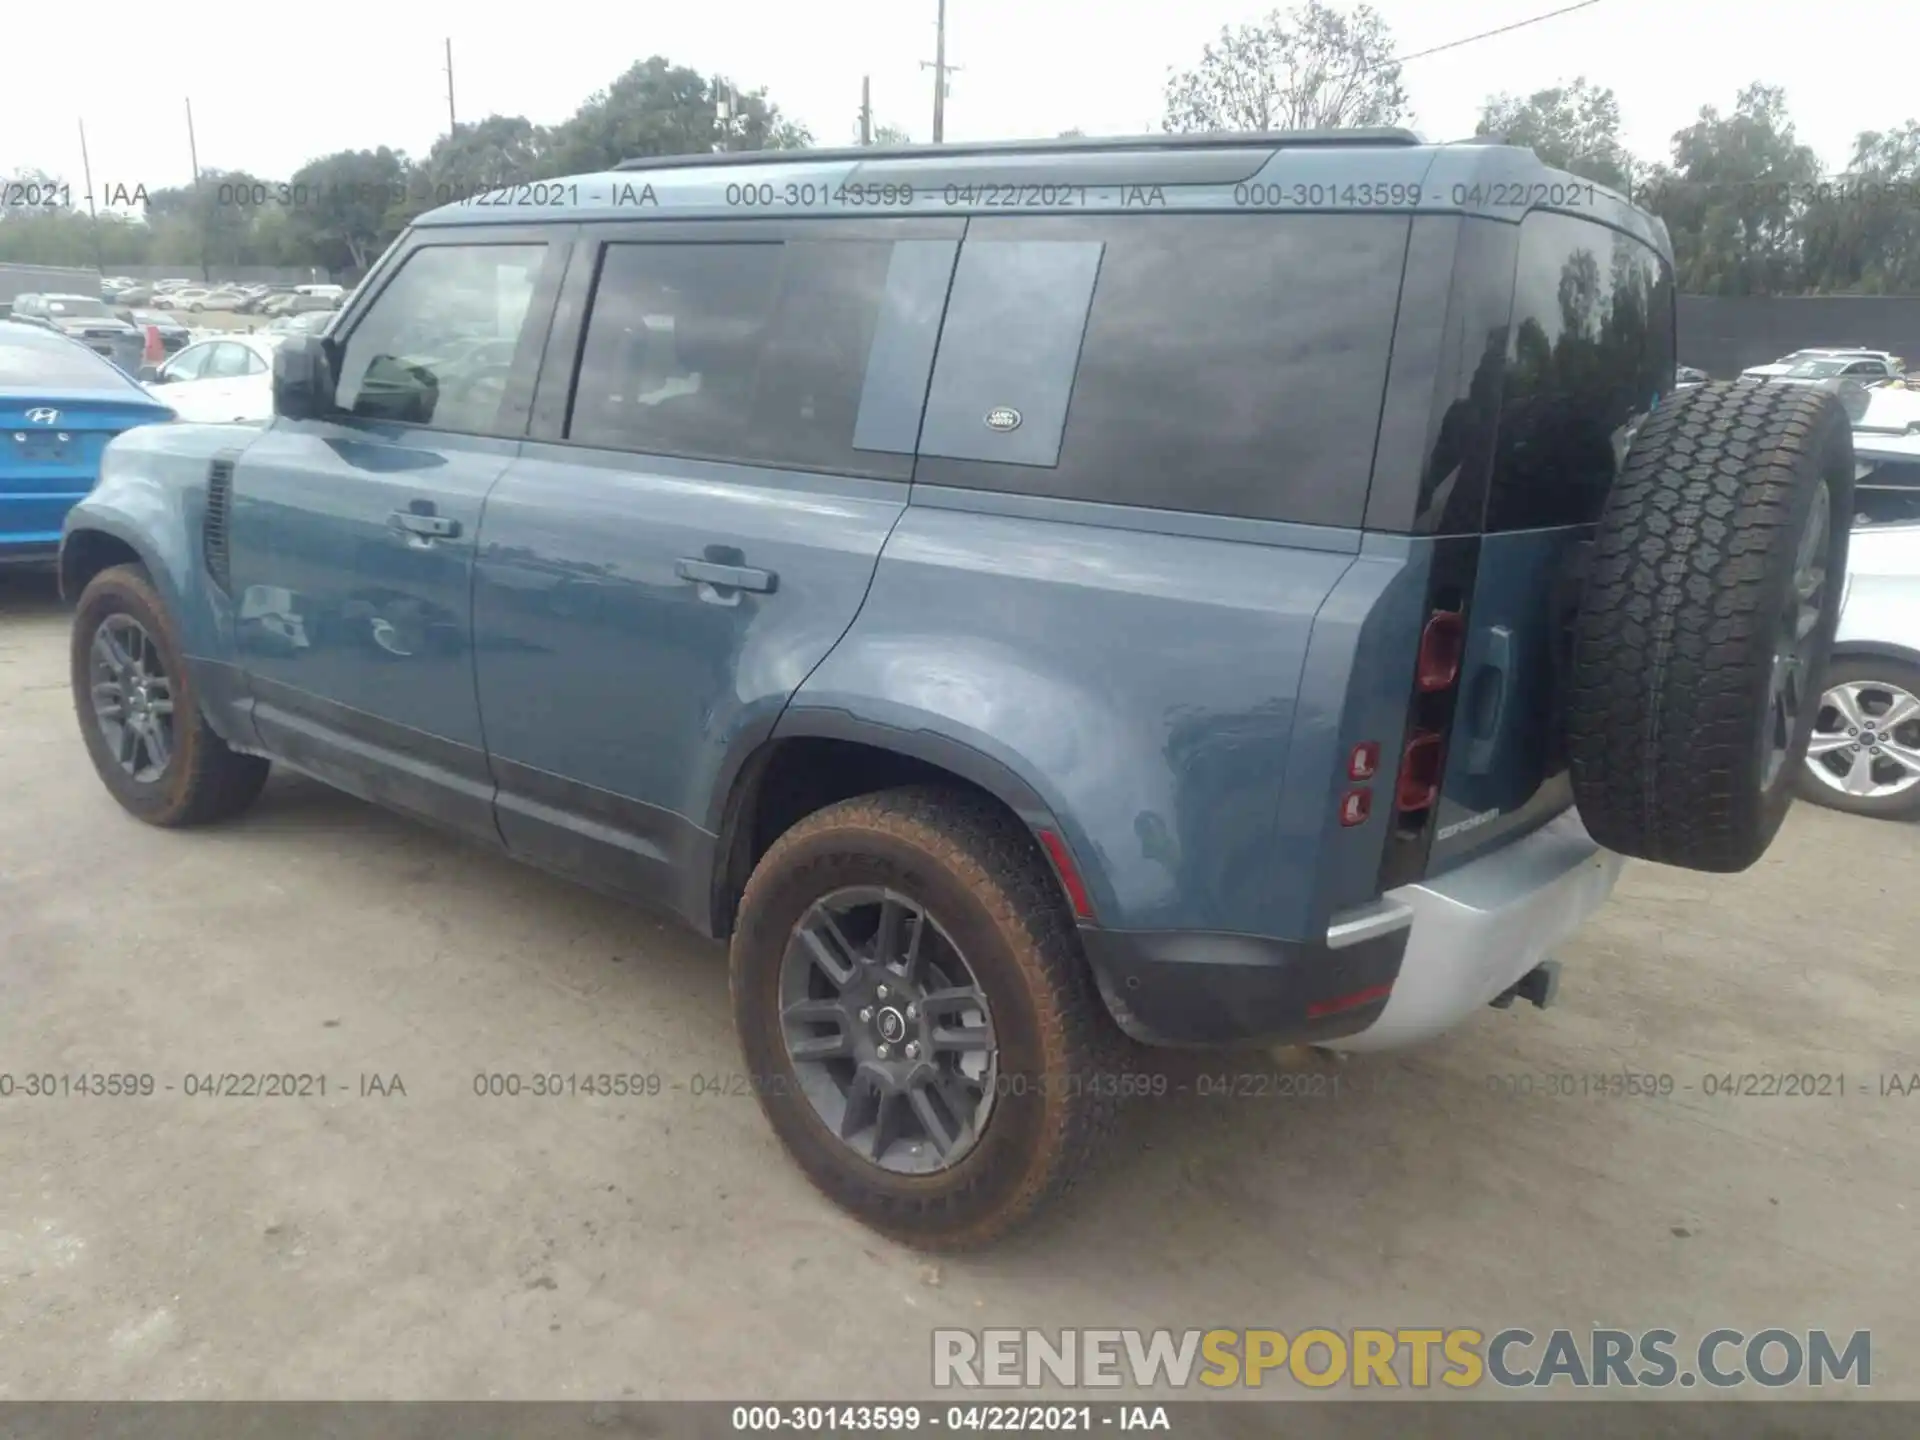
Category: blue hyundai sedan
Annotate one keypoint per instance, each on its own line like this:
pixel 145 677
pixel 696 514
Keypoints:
pixel 59 406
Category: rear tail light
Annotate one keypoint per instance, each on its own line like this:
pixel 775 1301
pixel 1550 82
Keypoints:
pixel 1364 762
pixel 1355 806
pixel 1440 646
pixel 1419 783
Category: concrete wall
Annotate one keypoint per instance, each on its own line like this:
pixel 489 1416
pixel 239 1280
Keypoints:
pixel 1724 334
pixel 46 279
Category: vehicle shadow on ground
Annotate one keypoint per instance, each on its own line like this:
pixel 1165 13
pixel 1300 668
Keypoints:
pixel 29 593
pixel 1215 1152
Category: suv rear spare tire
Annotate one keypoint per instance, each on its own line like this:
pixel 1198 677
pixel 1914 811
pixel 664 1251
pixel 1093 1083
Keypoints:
pixel 1708 615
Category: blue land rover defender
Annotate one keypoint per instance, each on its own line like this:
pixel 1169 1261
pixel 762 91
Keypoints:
pixel 1030 601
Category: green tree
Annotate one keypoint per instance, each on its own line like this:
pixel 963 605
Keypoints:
pixel 891 135
pixel 473 158
pixel 347 207
pixel 1733 196
pixel 1574 126
pixel 1861 233
pixel 658 108
pixel 1312 68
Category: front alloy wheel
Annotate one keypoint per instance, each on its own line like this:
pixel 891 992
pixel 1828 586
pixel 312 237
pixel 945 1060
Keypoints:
pixel 132 698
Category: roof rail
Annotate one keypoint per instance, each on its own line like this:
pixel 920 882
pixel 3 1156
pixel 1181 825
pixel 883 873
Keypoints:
pixel 1224 139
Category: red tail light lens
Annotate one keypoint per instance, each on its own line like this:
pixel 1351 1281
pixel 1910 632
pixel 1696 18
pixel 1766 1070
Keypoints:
pixel 1364 762
pixel 1419 783
pixel 1356 806
pixel 1440 646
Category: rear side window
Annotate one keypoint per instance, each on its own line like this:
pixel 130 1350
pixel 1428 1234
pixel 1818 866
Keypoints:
pixel 1231 364
pixel 753 352
pixel 1590 351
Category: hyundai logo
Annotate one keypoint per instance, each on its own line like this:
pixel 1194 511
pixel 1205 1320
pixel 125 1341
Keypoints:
pixel 41 415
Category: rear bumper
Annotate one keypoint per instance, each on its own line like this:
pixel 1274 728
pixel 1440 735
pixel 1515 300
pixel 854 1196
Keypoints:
pixel 1402 970
pixel 1474 931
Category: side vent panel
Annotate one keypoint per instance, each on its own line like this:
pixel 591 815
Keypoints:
pixel 219 514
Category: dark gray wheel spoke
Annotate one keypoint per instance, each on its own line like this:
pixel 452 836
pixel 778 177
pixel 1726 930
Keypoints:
pixel 129 746
pixel 889 1124
pixel 936 1118
pixel 888 1030
pixel 159 748
pixel 863 1105
pixel 829 947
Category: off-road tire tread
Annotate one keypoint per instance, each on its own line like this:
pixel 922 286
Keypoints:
pixel 1682 593
pixel 220 782
pixel 987 849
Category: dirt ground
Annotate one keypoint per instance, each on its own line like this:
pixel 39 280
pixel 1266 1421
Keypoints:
pixel 437 1244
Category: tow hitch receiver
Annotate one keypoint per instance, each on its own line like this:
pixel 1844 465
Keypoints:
pixel 1539 985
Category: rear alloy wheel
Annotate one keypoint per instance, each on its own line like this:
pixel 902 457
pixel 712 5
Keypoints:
pixel 921 1027
pixel 1864 756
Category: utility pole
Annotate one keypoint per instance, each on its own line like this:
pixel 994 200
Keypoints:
pixel 940 70
pixel 723 98
pixel 193 153
pixel 866 110
pixel 452 124
pixel 93 218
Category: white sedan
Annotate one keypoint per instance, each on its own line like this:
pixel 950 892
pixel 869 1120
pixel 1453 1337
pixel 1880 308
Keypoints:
pixel 228 380
pixel 1865 752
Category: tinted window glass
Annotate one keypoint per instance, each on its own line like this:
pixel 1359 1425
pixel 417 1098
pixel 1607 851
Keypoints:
pixel 438 344
pixel 1230 363
pixel 750 352
pixel 1590 351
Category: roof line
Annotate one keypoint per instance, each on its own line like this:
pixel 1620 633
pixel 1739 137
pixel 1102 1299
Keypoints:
pixel 1081 145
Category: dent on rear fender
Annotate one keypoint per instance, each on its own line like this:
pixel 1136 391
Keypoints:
pixel 1143 685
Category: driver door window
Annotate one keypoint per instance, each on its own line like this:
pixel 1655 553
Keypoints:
pixel 227 362
pixel 437 346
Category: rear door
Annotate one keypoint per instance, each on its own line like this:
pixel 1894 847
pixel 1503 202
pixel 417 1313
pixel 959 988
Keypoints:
pixel 694 523
pixel 1590 351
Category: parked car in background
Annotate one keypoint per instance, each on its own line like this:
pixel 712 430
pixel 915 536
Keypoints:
pixel 220 381
pixel 88 320
pixel 308 322
pixel 133 295
pixel 1864 756
pixel 1685 377
pixel 326 292
pixel 1890 410
pixel 60 403
pixel 174 336
pixel 259 295
pixel 1824 363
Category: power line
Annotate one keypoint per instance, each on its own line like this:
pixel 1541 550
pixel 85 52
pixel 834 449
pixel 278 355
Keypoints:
pixel 1483 35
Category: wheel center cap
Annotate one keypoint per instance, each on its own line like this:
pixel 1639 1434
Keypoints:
pixel 892 1025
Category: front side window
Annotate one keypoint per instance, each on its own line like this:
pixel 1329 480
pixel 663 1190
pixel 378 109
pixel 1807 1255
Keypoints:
pixel 437 346
pixel 752 352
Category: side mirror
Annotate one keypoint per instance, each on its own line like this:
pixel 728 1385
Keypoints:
pixel 302 378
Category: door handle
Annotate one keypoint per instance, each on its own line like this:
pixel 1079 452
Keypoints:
pixel 1496 669
pixel 726 577
pixel 432 527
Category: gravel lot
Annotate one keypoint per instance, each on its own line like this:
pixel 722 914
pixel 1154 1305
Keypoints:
pixel 438 1244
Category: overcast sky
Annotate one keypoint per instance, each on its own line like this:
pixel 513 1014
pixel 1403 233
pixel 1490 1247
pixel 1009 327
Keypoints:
pixel 273 87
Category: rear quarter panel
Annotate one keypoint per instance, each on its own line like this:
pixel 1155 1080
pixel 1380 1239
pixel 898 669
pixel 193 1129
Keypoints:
pixel 1144 685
